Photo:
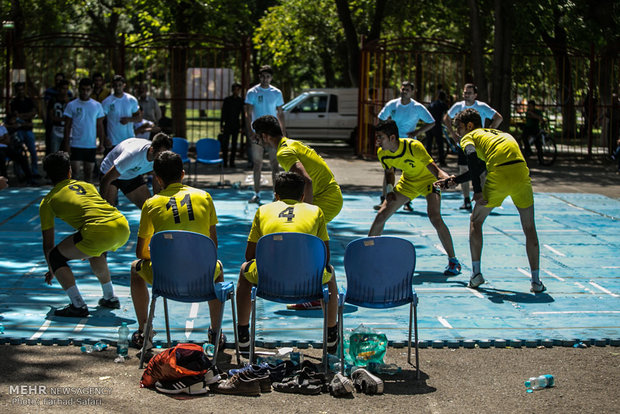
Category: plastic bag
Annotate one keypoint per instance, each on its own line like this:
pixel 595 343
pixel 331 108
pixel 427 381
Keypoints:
pixel 365 345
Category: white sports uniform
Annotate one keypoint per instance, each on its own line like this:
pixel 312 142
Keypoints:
pixel 84 115
pixel 116 108
pixel 405 116
pixel 129 158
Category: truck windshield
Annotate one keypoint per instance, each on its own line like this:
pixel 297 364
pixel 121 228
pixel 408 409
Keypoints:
pixel 291 104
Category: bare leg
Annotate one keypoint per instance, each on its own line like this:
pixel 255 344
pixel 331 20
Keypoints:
pixel 100 268
pixel 88 171
pixel 215 308
pixel 464 186
pixel 477 218
pixel 275 166
pixel 64 274
pixel 531 237
pixel 139 195
pixel 244 288
pixel 75 167
pixel 257 159
pixel 139 297
pixel 433 208
pixel 332 305
pixel 388 208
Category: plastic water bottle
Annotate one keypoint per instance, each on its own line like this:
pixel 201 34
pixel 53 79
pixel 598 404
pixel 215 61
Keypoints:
pixel 538 383
pixel 378 368
pixel 209 349
pixel 98 347
pixel 122 346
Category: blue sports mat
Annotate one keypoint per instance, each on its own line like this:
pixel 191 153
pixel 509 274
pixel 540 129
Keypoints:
pixel 579 243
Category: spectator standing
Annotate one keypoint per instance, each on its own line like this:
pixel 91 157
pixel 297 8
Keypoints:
pixel 164 122
pixel 55 110
pixel 263 99
pixel 100 92
pixel 48 95
pixel 24 109
pixel 150 106
pixel 121 111
pixel 438 109
pixel 144 128
pixel 230 124
pixel 83 124
pixel 12 148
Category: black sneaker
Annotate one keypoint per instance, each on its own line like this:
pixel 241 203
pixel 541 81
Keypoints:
pixel 244 340
pixel 466 206
pixel 71 311
pixel 408 206
pixel 113 303
pixel 193 385
pixel 332 340
pixel 137 339
pixel 212 338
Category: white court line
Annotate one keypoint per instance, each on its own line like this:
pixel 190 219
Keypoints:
pixel 525 272
pixel 447 289
pixel 585 288
pixel 80 325
pixel 193 312
pixel 596 285
pixel 42 329
pixel 189 326
pixel 440 248
pixel 476 293
pixel 556 276
pixel 610 267
pixel 33 218
pixel 572 312
pixel 554 250
pixel 129 246
pixel 444 322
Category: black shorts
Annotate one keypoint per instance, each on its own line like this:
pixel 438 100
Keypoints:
pixel 84 154
pixel 127 186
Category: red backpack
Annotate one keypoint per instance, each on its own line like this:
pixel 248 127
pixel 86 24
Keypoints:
pixel 174 363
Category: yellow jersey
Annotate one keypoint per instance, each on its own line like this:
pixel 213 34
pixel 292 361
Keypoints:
pixel 290 151
pixel 178 207
pixel 77 203
pixel 288 216
pixel 411 157
pixel 493 146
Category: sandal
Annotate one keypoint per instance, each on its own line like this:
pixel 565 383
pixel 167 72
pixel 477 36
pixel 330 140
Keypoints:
pixel 301 384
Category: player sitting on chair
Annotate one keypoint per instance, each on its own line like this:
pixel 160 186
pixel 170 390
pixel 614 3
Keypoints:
pixel 193 210
pixel 100 228
pixel 301 218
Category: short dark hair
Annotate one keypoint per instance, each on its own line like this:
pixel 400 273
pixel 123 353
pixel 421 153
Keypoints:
pixel 235 85
pixel 63 82
pixel 408 83
pixel 161 142
pixel 85 82
pixel 388 127
pixel 97 75
pixel 59 74
pixel 118 78
pixel 532 102
pixel 289 185
pixel 57 165
pixel 267 124
pixel 467 116
pixel 265 68
pixel 471 85
pixel 169 167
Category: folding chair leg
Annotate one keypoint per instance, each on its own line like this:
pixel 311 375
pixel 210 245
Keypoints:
pixel 325 362
pixel 147 330
pixel 218 333
pixel 341 337
pixel 409 341
pixel 236 333
pixel 417 353
pixel 167 322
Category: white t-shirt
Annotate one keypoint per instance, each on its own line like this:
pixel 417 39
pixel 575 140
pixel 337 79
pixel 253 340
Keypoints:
pixel 115 109
pixel 129 158
pixel 84 115
pixel 264 101
pixel 405 116
pixel 485 111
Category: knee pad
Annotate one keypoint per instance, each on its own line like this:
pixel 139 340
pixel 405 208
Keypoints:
pixel 56 259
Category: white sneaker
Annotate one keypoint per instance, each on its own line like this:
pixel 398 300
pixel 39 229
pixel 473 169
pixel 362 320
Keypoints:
pixel 367 383
pixel 341 386
pixel 475 281
pixel 537 287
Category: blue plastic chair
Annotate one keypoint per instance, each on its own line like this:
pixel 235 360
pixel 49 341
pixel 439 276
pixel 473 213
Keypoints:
pixel 290 270
pixel 183 266
pixel 181 147
pixel 208 152
pixel 379 274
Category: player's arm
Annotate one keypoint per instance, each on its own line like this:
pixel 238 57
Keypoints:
pixel 474 168
pixel 106 180
pixel 66 140
pixel 437 172
pixel 388 180
pixel 280 114
pixel 248 109
pixel 250 251
pixel 299 169
pixel 496 120
pixel 104 141
pixel 328 254
pixel 142 249
pixel 135 117
pixel 447 121
pixel 48 245
pixel 419 131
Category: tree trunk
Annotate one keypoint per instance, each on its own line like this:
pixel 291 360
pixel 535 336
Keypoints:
pixel 477 47
pixel 179 90
pixel 502 59
pixel 353 48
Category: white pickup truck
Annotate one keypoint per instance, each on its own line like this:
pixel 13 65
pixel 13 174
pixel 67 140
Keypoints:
pixel 322 114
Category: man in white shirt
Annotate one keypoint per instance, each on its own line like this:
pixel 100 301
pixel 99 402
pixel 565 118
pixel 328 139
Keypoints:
pixel 121 110
pixel 470 93
pixel 124 166
pixel 407 113
pixel 263 99
pixel 83 124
